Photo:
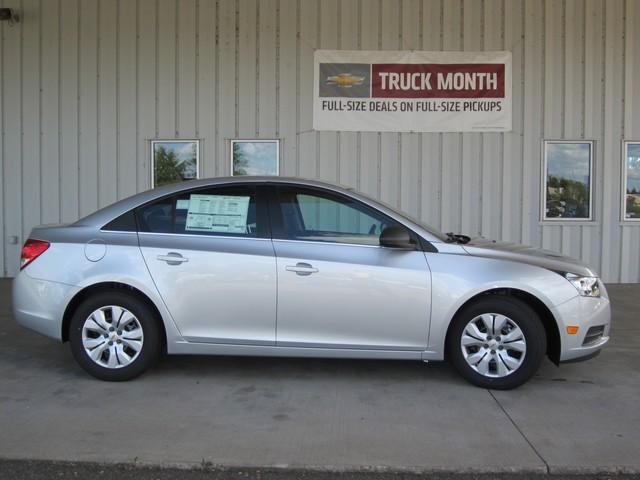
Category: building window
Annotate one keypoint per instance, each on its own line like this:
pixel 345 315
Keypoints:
pixel 174 161
pixel 568 180
pixel 631 179
pixel 255 157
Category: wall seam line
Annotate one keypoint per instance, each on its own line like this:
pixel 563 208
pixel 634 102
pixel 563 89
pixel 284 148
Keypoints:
pixel 59 106
pixel 40 109
pixel 22 222
pixel 117 86
pixel 257 64
pixel 176 67
pixel 317 134
pixel 298 52
pixel 277 80
pixel 98 132
pixel 2 147
pixel 237 68
pixel 79 108
pixel 196 107
pixel 137 94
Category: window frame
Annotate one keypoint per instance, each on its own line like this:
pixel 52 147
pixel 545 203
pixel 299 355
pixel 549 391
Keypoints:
pixel 152 155
pixel 263 224
pixel 233 141
pixel 278 228
pixel 623 191
pixel 543 190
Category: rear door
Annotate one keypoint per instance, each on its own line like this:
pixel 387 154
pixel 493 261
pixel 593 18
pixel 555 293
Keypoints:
pixel 210 255
pixel 337 287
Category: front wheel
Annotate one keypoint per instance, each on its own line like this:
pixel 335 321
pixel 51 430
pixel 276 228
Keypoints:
pixel 114 336
pixel 497 342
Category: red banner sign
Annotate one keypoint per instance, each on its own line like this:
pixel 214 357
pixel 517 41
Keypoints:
pixel 457 80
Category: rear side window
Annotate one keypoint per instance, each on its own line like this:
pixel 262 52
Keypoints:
pixel 221 211
pixel 156 217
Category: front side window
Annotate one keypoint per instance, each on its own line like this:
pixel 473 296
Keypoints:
pixel 568 167
pixel 631 172
pixel 324 217
pixel 222 211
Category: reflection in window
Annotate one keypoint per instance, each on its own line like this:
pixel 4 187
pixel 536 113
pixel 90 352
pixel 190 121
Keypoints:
pixel 632 181
pixel 174 161
pixel 568 171
pixel 321 217
pixel 255 157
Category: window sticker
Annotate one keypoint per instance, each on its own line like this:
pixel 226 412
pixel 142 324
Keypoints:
pixel 182 205
pixel 217 213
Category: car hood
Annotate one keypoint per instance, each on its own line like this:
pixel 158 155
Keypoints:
pixel 539 257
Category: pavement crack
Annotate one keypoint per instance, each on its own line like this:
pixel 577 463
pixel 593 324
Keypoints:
pixel 546 465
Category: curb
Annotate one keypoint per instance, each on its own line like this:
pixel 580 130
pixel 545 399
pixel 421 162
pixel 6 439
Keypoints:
pixel 382 470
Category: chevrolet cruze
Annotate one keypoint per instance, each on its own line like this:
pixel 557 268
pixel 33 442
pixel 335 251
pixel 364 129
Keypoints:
pixel 271 266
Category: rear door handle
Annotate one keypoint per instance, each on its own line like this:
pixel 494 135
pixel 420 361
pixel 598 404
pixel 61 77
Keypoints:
pixel 173 258
pixel 301 268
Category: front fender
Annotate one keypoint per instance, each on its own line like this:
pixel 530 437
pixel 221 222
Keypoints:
pixel 457 278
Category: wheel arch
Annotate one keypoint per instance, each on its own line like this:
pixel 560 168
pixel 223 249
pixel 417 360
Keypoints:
pixel 546 317
pixel 86 292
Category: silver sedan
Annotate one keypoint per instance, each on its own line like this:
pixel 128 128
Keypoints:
pixel 298 268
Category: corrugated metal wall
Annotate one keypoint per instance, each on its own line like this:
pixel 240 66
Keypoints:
pixel 86 84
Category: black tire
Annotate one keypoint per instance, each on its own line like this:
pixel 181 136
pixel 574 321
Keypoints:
pixel 151 347
pixel 530 325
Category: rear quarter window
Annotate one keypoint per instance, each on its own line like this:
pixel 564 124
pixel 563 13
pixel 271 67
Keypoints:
pixel 124 223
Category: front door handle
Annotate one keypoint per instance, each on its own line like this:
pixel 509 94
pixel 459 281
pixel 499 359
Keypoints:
pixel 301 268
pixel 173 258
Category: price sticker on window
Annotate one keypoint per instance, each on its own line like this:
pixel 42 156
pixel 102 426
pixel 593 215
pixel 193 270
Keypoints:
pixel 217 213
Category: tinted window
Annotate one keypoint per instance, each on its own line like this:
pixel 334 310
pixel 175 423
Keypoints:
pixel 124 223
pixel 319 216
pixel 226 211
pixel 156 217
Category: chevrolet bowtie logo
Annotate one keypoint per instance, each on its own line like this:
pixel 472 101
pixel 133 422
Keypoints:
pixel 345 80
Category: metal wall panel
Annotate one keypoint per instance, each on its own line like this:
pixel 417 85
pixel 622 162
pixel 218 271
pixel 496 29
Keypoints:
pixel 85 84
pixel 14 202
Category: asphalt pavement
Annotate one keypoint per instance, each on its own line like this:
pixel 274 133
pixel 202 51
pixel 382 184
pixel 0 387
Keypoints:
pixel 223 415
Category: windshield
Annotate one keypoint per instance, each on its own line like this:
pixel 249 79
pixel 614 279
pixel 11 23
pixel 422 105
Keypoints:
pixel 432 230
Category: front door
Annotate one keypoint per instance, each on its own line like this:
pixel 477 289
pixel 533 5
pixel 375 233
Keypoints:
pixel 337 287
pixel 210 256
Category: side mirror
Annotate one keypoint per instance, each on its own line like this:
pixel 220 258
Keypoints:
pixel 396 236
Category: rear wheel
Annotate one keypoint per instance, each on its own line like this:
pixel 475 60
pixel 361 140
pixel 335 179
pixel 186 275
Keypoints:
pixel 114 336
pixel 497 342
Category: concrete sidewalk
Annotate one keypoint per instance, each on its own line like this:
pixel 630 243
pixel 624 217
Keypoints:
pixel 327 414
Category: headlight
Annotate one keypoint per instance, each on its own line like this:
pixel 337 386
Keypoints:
pixel 586 286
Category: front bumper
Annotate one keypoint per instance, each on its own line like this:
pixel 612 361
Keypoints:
pixel 585 313
pixel 39 304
